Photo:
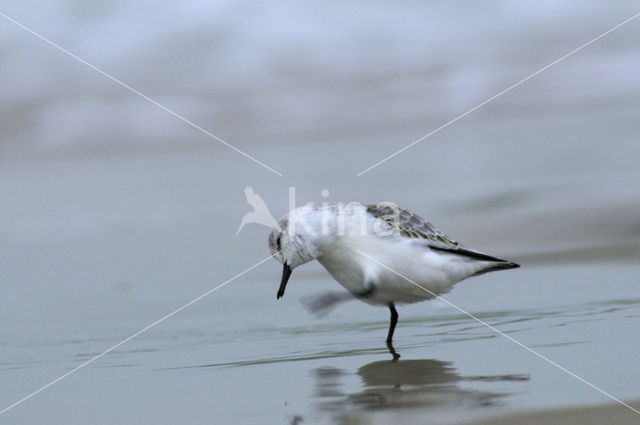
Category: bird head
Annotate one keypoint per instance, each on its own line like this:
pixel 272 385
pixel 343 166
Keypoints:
pixel 292 246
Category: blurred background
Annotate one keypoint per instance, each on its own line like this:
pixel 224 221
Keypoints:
pixel 113 212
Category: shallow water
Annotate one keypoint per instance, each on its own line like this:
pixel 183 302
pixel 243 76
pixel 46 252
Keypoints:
pixel 113 214
pixel 239 355
pixel 260 361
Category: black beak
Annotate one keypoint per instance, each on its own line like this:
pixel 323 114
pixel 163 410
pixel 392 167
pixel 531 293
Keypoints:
pixel 286 272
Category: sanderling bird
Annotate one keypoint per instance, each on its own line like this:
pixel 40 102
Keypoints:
pixel 382 254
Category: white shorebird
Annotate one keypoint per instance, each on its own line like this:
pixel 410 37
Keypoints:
pixel 380 253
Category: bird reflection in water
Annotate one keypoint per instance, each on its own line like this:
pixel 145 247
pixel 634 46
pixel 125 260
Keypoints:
pixel 404 384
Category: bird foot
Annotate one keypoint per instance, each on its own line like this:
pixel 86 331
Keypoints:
pixel 392 351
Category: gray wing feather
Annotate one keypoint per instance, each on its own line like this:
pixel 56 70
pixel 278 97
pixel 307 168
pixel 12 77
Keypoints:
pixel 413 226
pixel 410 225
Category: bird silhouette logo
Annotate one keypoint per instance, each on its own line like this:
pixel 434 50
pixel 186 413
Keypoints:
pixel 260 213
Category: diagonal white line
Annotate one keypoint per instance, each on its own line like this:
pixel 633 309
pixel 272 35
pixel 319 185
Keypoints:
pixel 133 336
pixel 175 114
pixel 496 96
pixel 531 350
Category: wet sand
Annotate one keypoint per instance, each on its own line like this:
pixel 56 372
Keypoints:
pixel 611 414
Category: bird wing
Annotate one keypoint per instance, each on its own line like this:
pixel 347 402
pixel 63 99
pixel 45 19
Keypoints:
pixel 412 226
pixel 409 225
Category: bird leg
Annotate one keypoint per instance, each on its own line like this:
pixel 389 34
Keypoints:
pixel 394 320
pixel 320 305
pixel 392 351
pixel 392 327
pixel 366 293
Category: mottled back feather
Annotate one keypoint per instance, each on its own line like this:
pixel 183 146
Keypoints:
pixel 410 225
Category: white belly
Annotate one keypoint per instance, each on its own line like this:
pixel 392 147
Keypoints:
pixel 413 272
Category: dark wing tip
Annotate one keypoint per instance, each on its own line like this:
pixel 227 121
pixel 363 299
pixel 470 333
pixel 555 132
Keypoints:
pixel 498 263
pixel 472 254
pixel 505 265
